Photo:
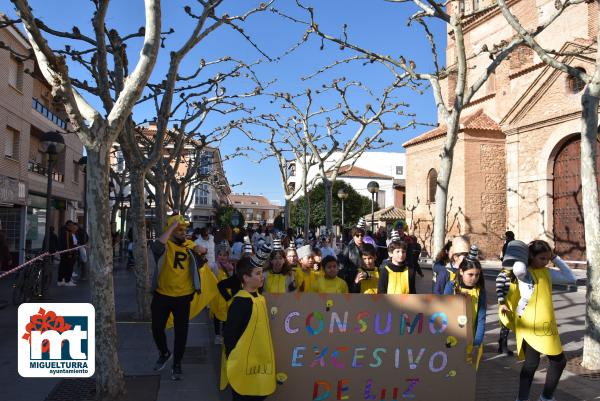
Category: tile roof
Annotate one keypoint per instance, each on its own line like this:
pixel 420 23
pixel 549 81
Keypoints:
pixel 476 121
pixel 354 171
pixel 250 200
pixel 390 213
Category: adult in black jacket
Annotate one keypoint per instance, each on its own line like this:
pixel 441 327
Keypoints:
pixel 351 259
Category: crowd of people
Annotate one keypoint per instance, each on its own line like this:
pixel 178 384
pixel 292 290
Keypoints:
pixel 252 263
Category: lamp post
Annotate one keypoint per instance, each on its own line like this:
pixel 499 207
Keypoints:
pixel 342 195
pixel 52 144
pixel 373 188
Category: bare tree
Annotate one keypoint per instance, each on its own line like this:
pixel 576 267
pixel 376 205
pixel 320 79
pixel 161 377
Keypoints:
pixel 590 101
pixel 97 131
pixel 282 143
pixel 428 12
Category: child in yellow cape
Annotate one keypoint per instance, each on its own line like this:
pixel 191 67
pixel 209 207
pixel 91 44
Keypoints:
pixel 250 365
pixel 535 324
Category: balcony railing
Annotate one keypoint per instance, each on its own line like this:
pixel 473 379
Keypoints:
pixel 43 110
pixel 36 167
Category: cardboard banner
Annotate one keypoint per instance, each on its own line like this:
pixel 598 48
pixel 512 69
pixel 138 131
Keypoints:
pixel 332 347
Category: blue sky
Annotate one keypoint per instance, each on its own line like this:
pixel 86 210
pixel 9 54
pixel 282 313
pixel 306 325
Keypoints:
pixel 374 24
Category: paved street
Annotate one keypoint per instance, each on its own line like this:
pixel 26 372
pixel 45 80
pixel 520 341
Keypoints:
pixel 497 378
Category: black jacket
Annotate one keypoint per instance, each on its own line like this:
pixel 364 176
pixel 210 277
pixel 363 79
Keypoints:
pixel 350 260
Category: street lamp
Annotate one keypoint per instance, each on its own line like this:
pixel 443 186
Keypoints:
pixel 373 188
pixel 52 144
pixel 342 195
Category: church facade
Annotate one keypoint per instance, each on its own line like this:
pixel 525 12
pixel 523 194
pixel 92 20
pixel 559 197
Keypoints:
pixel 516 162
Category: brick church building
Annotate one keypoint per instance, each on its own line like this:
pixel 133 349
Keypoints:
pixel 517 158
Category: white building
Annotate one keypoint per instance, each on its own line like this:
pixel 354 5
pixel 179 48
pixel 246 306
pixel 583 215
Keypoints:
pixel 388 169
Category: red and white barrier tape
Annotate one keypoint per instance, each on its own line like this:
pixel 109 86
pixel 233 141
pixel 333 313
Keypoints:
pixel 43 255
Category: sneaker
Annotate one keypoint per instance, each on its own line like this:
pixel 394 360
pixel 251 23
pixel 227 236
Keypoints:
pixel 162 361
pixel 70 284
pixel 74 275
pixel 218 339
pixel 176 372
pixel 60 283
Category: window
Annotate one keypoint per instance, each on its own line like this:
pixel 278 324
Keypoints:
pixel 431 185
pixel 75 171
pixel 202 195
pixel 292 169
pixel 11 147
pixel 15 73
pixel 399 170
pixel 461 6
pixel 206 163
pixel 120 160
pixel 475 5
pixel 575 84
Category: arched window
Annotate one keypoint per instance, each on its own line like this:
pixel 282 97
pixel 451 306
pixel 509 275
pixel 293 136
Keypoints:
pixel 431 185
pixel 575 84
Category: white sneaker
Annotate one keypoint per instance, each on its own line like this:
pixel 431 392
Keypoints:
pixel 74 275
pixel 70 284
pixel 218 339
pixel 60 283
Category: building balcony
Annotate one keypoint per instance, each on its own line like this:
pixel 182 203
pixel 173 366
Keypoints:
pixel 37 168
pixel 43 110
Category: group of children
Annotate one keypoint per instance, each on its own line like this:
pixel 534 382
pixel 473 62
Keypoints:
pixel 524 289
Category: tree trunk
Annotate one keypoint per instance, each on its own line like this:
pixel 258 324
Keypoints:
pixel 306 215
pixel 140 248
pixel 160 220
pixel 328 188
pixel 109 376
pixel 591 218
pixel 287 213
pixel 443 180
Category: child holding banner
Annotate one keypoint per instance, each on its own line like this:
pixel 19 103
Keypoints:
pixel 292 259
pixel 535 326
pixel 247 337
pixel 329 283
pixel 278 275
pixel 470 281
pixel 368 274
pixel 393 278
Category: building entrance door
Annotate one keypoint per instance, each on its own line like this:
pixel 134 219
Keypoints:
pixel 569 236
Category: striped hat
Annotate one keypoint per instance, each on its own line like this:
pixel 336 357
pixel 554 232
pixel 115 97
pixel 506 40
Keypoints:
pixel 292 245
pixel 473 254
pixel 223 246
pixel 261 256
pixel 361 223
pixel 394 236
pixel 277 245
pixel 247 249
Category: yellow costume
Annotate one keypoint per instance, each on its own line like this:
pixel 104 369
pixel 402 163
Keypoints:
pixel 251 363
pixel 474 294
pixel 308 278
pixel 174 279
pixel 397 281
pixel 277 283
pixel 218 305
pixel 324 285
pixel 537 324
pixel 369 285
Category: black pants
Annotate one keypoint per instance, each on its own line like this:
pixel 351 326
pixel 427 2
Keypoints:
pixel 239 397
pixel 65 268
pixel 162 306
pixel 532 361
